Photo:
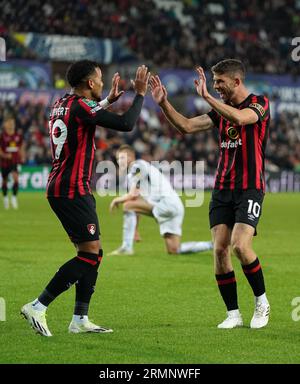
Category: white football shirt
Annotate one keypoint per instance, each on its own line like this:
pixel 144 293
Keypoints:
pixel 153 185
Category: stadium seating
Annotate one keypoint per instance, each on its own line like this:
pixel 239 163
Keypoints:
pixel 257 32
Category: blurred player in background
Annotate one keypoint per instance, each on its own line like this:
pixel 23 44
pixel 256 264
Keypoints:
pixel 150 193
pixel 12 154
pixel 72 124
pixel 242 119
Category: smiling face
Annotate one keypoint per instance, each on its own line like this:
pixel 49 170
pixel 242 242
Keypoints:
pixel 226 85
pixel 95 84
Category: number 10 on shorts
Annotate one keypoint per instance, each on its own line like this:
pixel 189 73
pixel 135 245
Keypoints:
pixel 253 208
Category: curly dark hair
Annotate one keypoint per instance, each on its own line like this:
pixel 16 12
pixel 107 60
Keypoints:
pixel 79 71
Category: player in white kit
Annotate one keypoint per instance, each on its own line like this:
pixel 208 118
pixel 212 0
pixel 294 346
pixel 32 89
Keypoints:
pixel 150 193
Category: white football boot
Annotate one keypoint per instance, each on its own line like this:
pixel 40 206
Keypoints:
pixel 261 315
pixel 121 251
pixel 87 327
pixel 14 202
pixel 6 202
pixel 37 319
pixel 233 320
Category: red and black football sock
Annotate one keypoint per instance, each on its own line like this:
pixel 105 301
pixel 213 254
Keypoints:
pixel 4 187
pixel 85 287
pixel 255 277
pixel 228 290
pixel 67 275
pixel 15 188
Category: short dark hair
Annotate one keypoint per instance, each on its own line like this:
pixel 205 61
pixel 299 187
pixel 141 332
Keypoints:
pixel 79 71
pixel 229 66
pixel 127 148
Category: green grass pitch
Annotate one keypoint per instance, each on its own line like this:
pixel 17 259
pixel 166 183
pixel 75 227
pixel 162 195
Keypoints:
pixel 163 309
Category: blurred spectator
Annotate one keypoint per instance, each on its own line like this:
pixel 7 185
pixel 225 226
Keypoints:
pixel 59 82
pixel 188 33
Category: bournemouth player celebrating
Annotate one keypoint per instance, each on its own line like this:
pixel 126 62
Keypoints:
pixel 72 124
pixel 235 208
pixel 12 154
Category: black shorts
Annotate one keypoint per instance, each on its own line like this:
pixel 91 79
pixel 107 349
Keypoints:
pixel 237 206
pixel 78 217
pixel 5 171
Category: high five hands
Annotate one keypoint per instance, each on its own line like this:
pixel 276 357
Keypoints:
pixel 158 91
pixel 114 93
pixel 140 84
pixel 200 83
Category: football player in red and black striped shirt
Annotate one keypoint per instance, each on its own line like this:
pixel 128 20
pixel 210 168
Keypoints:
pixel 72 124
pixel 242 120
pixel 12 153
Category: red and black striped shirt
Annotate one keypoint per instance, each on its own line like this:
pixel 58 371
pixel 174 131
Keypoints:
pixel 242 148
pixel 72 125
pixel 11 144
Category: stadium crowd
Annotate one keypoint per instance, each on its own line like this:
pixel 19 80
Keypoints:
pixel 257 32
pixel 154 139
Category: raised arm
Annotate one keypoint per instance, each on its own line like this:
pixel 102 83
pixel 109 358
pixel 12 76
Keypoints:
pixel 180 122
pixel 114 93
pixel 125 122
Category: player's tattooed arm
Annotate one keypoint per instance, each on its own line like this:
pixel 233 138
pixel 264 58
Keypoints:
pixel 181 123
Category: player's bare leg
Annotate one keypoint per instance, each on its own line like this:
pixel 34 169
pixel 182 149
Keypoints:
pixel 89 246
pixel 221 239
pixel 137 237
pixel 225 276
pixel 175 247
pixel 241 240
pixel 195 247
pixel 14 201
pixel 172 243
pixel 130 210
pixel 138 205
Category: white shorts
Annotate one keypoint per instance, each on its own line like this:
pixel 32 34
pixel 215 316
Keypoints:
pixel 169 214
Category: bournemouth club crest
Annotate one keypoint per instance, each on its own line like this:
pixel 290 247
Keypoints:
pixel 91 228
